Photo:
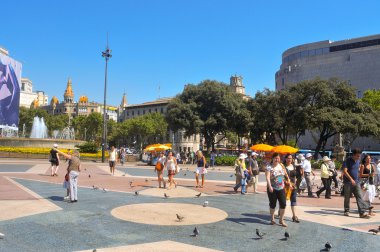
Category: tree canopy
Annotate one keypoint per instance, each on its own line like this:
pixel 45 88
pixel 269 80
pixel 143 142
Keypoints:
pixel 209 108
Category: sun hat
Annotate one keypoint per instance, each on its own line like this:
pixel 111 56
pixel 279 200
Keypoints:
pixel 308 155
pixel 326 159
pixel 55 145
pixel 242 156
pixel 254 153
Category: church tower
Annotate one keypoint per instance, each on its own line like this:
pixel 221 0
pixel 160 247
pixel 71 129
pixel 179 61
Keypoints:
pixel 123 103
pixel 236 84
pixel 69 94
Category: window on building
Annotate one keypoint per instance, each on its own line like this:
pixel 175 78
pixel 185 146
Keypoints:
pixel 359 94
pixel 138 112
pixel 162 110
pixel 326 50
pixel 155 110
pixel 133 113
pixel 312 52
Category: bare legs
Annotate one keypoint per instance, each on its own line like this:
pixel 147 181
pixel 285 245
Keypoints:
pixel 197 179
pixel 171 181
pixel 54 172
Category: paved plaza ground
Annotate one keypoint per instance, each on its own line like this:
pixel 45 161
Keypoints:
pixel 34 216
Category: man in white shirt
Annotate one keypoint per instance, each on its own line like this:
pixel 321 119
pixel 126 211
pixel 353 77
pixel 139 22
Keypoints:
pixel 306 166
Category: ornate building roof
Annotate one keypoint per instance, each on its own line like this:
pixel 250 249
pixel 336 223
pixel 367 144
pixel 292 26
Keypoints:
pixel 123 103
pixel 35 103
pixel 83 99
pixel 54 101
pixel 69 89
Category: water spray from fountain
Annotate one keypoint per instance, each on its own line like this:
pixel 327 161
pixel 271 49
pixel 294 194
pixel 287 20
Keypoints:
pixel 39 129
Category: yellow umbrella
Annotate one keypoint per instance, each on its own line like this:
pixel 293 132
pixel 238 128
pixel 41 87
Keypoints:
pixel 161 148
pixel 149 149
pixel 262 147
pixel 284 149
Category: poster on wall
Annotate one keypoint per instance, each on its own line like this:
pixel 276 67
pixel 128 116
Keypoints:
pixel 10 83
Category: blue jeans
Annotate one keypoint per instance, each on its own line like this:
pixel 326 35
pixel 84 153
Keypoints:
pixel 242 184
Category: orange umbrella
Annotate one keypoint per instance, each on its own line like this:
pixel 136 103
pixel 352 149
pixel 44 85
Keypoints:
pixel 262 147
pixel 285 149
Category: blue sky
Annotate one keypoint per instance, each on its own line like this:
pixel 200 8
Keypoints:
pixel 168 43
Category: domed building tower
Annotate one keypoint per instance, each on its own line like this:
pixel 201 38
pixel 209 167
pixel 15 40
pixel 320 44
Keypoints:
pixel 83 100
pixel 53 103
pixel 236 84
pixel 69 94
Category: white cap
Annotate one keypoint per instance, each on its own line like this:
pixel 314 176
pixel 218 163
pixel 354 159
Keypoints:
pixel 308 155
pixel 55 145
pixel 326 159
pixel 242 156
pixel 254 153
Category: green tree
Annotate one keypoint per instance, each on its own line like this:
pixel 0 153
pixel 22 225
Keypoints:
pixel 372 98
pixel 93 124
pixel 208 108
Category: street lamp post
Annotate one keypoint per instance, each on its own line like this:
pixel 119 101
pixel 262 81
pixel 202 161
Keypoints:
pixel 107 55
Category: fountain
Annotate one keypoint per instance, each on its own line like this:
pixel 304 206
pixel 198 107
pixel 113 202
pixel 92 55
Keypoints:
pixel 39 129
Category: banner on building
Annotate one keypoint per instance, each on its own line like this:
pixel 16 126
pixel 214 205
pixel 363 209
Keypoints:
pixel 10 83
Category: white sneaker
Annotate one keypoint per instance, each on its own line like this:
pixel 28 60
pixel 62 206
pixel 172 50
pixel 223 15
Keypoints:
pixel 66 198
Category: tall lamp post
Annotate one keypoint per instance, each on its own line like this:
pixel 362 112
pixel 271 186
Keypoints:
pixel 107 55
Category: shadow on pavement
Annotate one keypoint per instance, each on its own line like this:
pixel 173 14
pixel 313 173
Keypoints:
pixel 56 198
pixel 255 218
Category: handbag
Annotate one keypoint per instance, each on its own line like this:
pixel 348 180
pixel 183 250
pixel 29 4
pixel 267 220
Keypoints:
pixel 177 169
pixel 288 192
pixel 159 166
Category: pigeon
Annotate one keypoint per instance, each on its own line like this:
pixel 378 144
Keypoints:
pixel 184 174
pixel 260 235
pixel 179 218
pixel 195 232
pixel 198 195
pixel 2 236
pixel 89 176
pixel 166 196
pixel 105 190
pixel 205 204
pixel 328 246
pixel 85 169
pixel 231 175
pixel 136 193
pixel 146 180
pixel 130 183
pixel 286 235
pixel 374 231
pixel 95 187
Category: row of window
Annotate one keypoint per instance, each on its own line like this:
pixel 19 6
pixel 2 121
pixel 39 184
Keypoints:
pixel 74 110
pixel 144 111
pixel 307 53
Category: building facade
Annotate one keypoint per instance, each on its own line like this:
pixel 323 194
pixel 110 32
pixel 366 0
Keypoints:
pixel 356 61
pixel 80 108
pixel 27 96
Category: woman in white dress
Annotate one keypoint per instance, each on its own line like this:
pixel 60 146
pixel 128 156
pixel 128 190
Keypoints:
pixel 367 171
pixel 171 165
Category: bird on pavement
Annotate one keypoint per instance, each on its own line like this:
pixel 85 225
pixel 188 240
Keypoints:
pixel 179 217
pixel 94 250
pixel 130 183
pixel 136 193
pixel 198 195
pixel 105 190
pixel 328 246
pixel 95 187
pixel 166 196
pixel 195 232
pixel 286 235
pixel 374 231
pixel 146 180
pixel 89 176
pixel 259 234
pixel 231 175
pixel 184 174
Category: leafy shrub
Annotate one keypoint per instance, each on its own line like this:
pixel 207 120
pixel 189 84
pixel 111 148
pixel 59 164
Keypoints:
pixel 88 147
pixel 225 160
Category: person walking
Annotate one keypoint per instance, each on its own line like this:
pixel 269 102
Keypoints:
pixel 159 169
pixel 212 159
pixel 367 171
pixel 307 171
pixel 275 177
pixel 326 174
pixel 54 160
pixel 292 174
pixel 253 169
pixel 171 165
pixel 73 169
pixel 351 182
pixel 201 169
pixel 241 173
pixel 299 171
pixel 112 160
pixel 333 178
pixel 377 175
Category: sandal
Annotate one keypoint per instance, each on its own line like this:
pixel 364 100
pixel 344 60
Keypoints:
pixel 295 219
pixel 283 224
pixel 272 222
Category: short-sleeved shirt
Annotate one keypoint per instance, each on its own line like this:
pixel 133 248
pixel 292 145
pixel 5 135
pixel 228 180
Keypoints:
pixel 252 163
pixel 352 169
pixel 53 154
pixel 277 175
pixel 306 166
